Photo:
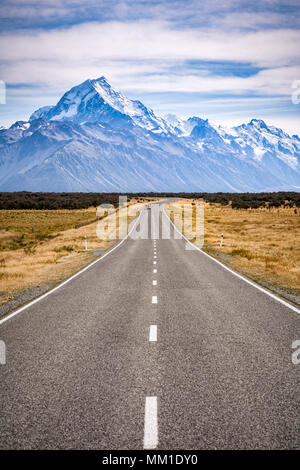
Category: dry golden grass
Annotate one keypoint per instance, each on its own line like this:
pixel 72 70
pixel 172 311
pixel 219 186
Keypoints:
pixel 264 243
pixel 53 251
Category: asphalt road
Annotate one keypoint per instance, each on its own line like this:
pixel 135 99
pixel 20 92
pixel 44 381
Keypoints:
pixel 81 372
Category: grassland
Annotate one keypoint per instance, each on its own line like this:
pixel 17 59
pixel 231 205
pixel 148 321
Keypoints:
pixel 263 243
pixel 42 247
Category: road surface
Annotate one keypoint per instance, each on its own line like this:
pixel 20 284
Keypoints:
pixel 154 346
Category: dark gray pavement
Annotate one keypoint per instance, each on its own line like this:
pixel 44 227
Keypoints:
pixel 80 364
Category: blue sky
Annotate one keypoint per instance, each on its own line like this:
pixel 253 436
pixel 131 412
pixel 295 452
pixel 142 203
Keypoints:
pixel 226 61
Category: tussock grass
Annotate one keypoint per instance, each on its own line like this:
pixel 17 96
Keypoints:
pixel 263 242
pixel 22 228
pixel 52 251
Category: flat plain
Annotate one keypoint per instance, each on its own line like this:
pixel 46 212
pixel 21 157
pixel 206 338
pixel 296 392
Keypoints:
pixel 262 243
pixel 42 247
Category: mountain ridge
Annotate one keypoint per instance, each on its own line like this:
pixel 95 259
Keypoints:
pixel 96 139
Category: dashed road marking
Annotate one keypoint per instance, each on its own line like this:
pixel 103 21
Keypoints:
pixel 154 262
pixel 153 333
pixel 154 271
pixel 150 427
pixel 154 299
pixel 154 282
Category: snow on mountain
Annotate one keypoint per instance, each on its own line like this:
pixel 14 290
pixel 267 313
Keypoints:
pixel 179 127
pixel 96 100
pixel 258 140
pixel 96 139
pixel 39 113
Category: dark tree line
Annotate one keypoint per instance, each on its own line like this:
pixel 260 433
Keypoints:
pixel 253 200
pixel 241 200
pixel 52 201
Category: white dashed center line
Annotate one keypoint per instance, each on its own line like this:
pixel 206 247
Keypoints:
pixel 154 262
pixel 153 333
pixel 154 271
pixel 154 299
pixel 151 428
pixel 154 282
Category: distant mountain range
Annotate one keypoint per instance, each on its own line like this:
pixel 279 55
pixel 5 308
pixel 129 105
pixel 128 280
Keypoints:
pixel 96 139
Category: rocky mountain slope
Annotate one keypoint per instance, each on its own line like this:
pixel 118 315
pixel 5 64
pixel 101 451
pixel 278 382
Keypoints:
pixel 96 139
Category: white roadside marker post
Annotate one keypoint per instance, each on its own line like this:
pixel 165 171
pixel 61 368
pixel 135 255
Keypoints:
pixel 221 241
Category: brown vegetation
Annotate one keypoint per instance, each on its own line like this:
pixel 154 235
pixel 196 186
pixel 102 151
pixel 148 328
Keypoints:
pixel 263 242
pixel 42 247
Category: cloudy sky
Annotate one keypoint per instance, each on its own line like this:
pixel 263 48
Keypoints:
pixel 228 61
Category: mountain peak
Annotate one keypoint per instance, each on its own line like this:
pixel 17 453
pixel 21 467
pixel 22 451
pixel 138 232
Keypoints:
pixel 97 139
pixel 258 123
pixel 95 100
pixel 99 82
pixel 90 101
pixel 101 79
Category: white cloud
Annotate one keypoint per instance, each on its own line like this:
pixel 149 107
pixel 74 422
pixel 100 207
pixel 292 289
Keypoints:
pixel 151 40
pixel 246 20
pixel 153 56
pixel 268 82
pixel 150 55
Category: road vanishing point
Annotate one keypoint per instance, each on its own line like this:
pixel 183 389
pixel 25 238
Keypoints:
pixel 154 346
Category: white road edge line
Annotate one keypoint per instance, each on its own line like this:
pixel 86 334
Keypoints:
pixel 295 309
pixel 154 299
pixel 153 333
pixel 11 315
pixel 150 427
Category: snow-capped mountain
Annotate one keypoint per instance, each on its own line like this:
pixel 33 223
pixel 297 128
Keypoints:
pixel 96 139
pixel 97 101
